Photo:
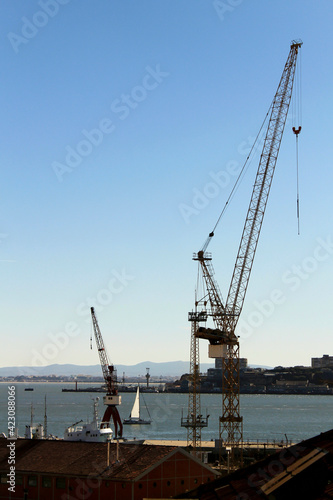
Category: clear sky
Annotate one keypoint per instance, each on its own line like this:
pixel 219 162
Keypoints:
pixel 117 118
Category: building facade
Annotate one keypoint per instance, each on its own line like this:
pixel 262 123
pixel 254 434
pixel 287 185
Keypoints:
pixel 65 470
pixel 242 363
pixel 325 361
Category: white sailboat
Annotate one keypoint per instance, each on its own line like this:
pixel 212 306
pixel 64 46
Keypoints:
pixel 134 417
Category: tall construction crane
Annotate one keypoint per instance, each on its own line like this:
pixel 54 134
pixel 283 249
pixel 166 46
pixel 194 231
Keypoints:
pixel 112 399
pixel 223 341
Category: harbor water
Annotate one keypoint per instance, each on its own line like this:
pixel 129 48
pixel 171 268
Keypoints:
pixel 266 417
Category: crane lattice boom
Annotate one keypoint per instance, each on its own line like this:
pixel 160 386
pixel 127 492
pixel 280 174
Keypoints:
pixel 262 185
pixel 108 370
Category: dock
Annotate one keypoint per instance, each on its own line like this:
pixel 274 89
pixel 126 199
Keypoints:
pixel 253 445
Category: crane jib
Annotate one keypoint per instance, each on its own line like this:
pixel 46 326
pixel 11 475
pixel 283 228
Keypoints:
pixel 261 189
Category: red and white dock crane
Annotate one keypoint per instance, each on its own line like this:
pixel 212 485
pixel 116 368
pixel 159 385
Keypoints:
pixel 112 399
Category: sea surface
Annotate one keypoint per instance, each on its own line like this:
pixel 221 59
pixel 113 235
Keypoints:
pixel 266 417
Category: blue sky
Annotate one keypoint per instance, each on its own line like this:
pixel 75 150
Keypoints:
pixel 117 118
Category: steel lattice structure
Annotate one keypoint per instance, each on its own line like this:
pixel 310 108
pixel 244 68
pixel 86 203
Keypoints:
pixel 194 421
pixel 223 340
pixel 112 398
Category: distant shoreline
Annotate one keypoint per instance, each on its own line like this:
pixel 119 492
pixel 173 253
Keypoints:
pixel 293 392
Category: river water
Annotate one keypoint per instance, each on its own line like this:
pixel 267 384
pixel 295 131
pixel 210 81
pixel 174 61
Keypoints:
pixel 266 417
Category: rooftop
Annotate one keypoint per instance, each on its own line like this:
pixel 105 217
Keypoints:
pixel 302 471
pixel 82 459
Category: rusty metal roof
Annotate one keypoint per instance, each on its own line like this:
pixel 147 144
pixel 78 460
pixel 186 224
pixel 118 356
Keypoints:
pixel 303 471
pixel 82 459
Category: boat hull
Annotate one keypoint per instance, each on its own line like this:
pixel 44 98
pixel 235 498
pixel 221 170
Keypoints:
pixel 131 421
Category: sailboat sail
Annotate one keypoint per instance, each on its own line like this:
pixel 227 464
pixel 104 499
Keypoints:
pixel 135 413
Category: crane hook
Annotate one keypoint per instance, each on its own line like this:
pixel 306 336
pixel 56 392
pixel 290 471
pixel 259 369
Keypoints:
pixel 297 130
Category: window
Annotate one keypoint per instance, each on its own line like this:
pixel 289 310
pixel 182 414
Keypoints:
pixel 61 483
pixel 32 480
pixel 3 479
pixel 46 482
pixel 19 480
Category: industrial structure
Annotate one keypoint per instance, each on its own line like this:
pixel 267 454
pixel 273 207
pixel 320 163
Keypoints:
pixel 223 341
pixel 147 377
pixel 112 399
pixel 194 421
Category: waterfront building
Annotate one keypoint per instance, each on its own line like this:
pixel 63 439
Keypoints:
pixel 325 361
pixel 242 364
pixel 57 470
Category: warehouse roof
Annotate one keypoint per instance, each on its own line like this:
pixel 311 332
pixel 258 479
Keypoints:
pixel 82 458
pixel 126 461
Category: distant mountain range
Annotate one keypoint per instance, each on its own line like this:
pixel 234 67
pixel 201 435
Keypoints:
pixel 170 368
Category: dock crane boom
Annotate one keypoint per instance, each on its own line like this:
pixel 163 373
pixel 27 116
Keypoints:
pixel 223 340
pixel 112 399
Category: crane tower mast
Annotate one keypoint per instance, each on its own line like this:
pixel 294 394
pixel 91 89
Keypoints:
pixel 223 340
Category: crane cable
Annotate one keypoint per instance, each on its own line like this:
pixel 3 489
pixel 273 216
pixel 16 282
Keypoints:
pixel 296 132
pixel 297 115
pixel 241 174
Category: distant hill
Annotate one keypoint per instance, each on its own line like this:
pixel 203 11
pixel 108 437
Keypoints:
pixel 261 366
pixel 170 368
